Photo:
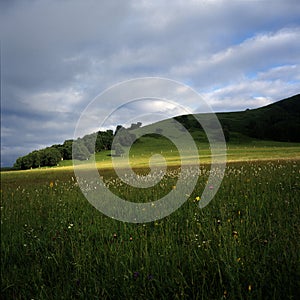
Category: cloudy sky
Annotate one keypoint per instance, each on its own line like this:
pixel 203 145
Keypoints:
pixel 58 55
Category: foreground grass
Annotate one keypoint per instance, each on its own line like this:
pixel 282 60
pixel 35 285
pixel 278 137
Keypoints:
pixel 243 245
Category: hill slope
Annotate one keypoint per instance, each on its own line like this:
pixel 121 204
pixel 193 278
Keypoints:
pixel 279 121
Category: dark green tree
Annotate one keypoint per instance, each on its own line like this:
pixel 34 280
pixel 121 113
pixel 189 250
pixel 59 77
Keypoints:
pixel 80 151
pixel 67 149
pixel 50 157
pixel 89 142
pixel 36 159
pixel 119 150
pixel 104 140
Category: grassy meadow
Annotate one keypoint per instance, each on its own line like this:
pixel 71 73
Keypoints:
pixel 237 151
pixel 244 245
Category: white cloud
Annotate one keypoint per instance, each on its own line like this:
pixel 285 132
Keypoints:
pixel 54 101
pixel 252 55
pixel 250 93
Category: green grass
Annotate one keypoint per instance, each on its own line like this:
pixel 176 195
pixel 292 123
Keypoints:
pixel 239 149
pixel 243 245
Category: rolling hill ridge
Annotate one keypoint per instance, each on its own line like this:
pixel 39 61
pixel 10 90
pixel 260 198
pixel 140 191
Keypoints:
pixel 279 121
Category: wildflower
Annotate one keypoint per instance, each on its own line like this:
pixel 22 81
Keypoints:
pixel 211 187
pixel 219 222
pixel 136 275
pixel 131 238
pixel 235 234
pixel 238 259
pixel 249 287
pixel 225 294
pixel 51 184
pixel 197 198
pixel 115 235
pixel 174 187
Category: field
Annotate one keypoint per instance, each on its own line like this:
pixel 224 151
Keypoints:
pixel 237 151
pixel 243 245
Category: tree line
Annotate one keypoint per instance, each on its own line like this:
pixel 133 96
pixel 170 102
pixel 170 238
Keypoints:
pixel 80 149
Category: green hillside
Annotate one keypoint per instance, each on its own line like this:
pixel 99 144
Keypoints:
pixel 265 126
pixel 279 121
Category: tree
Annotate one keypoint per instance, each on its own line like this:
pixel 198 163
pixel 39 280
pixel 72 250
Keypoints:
pixel 104 140
pixel 18 164
pixel 124 138
pixel 80 151
pixel 89 142
pixel 26 162
pixel 36 159
pixel 135 126
pixel 50 157
pixel 119 150
pixel 118 128
pixel 67 149
pixel 107 139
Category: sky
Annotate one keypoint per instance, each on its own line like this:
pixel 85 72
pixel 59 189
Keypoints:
pixel 59 55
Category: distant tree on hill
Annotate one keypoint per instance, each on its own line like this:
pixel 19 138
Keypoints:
pixel 18 164
pixel 119 150
pixel 135 126
pixel 80 151
pixel 104 140
pixel 118 128
pixel 123 136
pixel 89 142
pixel 39 158
pixel 50 156
pixel 35 158
pixel 67 149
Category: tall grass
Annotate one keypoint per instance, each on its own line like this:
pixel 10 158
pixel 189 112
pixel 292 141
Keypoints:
pixel 243 245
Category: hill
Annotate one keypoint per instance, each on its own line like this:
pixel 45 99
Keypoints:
pixel 279 122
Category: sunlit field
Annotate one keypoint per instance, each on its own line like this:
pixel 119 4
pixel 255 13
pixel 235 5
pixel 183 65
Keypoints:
pixel 236 152
pixel 243 245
